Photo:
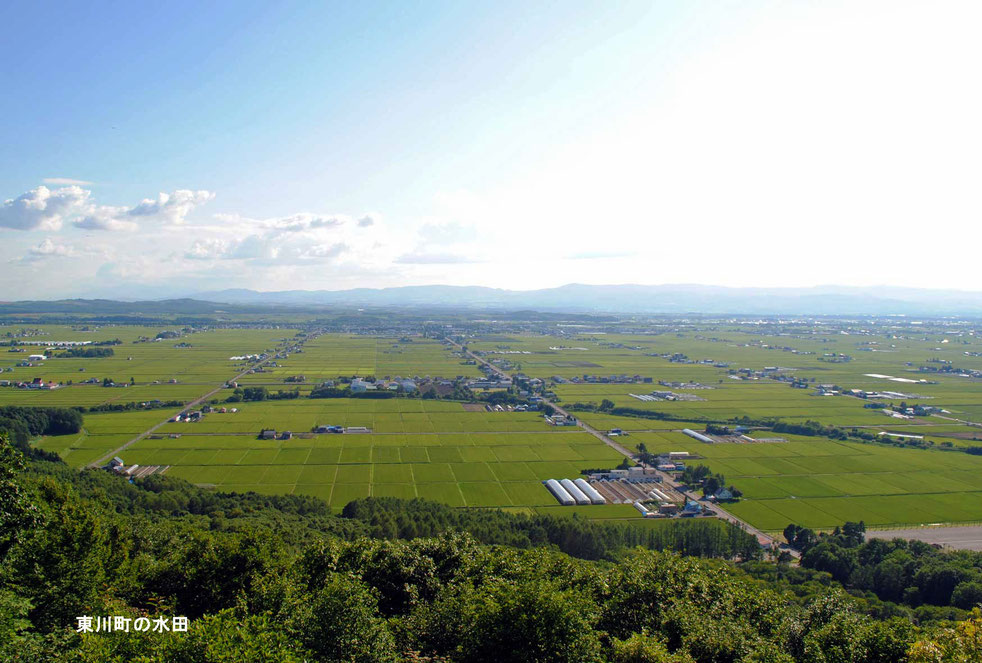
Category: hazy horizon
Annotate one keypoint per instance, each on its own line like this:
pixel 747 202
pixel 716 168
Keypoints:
pixel 331 147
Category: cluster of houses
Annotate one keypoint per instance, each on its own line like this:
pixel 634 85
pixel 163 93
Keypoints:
pixel 359 386
pixel 188 417
pixel 36 383
pixel 633 474
pixel 510 408
pixel 683 385
pixel 602 379
pixel 560 420
pixel 191 416
pixel 680 358
pixel 659 395
pixel 273 434
pixel 490 383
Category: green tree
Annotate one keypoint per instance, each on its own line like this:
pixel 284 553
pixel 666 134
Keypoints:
pixel 340 621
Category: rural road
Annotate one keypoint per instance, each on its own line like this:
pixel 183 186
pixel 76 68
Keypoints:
pixel 762 537
pixel 115 452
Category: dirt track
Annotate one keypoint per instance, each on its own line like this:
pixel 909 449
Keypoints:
pixel 961 538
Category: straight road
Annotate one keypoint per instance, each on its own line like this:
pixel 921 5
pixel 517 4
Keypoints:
pixel 115 452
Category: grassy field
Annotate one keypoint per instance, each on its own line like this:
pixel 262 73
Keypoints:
pixel 478 468
pixel 821 483
pixel 437 450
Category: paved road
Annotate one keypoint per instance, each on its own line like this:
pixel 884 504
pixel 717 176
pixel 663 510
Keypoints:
pixel 762 537
pixel 960 538
pixel 115 452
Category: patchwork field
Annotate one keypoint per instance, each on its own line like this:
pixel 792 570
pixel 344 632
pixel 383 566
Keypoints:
pixel 822 483
pixel 440 450
pixel 463 468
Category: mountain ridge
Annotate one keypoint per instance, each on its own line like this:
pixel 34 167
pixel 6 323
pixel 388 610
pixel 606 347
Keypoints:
pixel 634 298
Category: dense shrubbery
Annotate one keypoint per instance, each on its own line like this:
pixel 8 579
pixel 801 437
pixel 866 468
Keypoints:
pixel 126 407
pixel 394 518
pixel 87 352
pixel 24 423
pixel 240 394
pixel 280 579
pixel 334 392
pixel 911 573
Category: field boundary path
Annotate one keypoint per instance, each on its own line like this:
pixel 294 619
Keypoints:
pixel 763 537
pixel 115 452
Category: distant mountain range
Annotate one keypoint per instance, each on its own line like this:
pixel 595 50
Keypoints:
pixel 669 299
pixel 572 299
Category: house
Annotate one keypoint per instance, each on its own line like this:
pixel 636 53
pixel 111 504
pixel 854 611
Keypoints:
pixel 286 435
pixel 267 434
pixel 36 357
pixel 723 495
pixel 359 386
pixel 357 429
pixel 691 508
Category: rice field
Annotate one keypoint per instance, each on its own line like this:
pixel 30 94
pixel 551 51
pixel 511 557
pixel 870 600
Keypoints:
pixel 822 483
pixel 438 450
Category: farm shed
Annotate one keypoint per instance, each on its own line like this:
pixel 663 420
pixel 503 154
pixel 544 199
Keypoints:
pixel 590 491
pixel 559 492
pixel 575 492
pixel 697 436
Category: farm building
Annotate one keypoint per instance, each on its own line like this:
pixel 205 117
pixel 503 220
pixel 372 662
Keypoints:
pixel 560 420
pixel 359 386
pixel 559 492
pixel 590 491
pixel 697 436
pixel 575 492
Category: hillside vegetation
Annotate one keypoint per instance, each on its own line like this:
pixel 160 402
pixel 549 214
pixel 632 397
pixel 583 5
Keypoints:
pixel 281 579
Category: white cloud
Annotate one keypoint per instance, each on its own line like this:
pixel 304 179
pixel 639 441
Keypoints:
pixel 304 221
pixel 600 255
pixel 105 217
pixel 172 207
pixel 366 221
pixel 449 232
pixel 49 247
pixel 267 248
pixel 207 249
pixel 42 208
pixel 65 181
pixel 425 258
pixel 324 251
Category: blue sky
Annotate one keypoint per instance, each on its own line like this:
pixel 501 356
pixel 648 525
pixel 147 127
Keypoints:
pixel 163 149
